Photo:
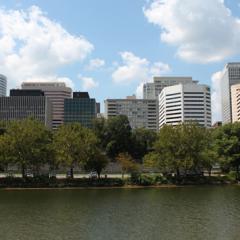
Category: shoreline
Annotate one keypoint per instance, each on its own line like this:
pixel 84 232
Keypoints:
pixel 117 187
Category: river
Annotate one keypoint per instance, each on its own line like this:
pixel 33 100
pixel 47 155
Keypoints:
pixel 188 213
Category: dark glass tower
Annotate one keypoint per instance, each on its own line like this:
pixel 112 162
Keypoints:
pixel 81 109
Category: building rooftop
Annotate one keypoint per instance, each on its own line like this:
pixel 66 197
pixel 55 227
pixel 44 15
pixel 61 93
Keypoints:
pixel 80 95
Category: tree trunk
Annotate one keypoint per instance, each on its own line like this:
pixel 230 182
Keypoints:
pixel 237 172
pixel 177 172
pixel 23 171
pixel 209 171
pixel 71 173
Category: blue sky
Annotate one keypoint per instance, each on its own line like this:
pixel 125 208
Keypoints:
pixel 125 42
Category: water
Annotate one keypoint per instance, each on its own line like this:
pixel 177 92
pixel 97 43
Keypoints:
pixel 190 213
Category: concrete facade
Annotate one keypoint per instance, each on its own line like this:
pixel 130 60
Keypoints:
pixel 152 90
pixel 3 86
pixel 56 92
pixel 22 107
pixel 141 113
pixel 235 99
pixel 230 76
pixel 185 102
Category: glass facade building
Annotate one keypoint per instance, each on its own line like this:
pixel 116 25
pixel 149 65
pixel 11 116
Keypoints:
pixel 80 109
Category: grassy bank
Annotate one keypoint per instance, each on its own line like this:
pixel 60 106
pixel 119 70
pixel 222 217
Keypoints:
pixel 134 181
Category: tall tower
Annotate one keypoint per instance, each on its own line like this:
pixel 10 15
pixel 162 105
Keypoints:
pixel 152 90
pixel 184 103
pixel 56 92
pixel 231 76
pixel 3 86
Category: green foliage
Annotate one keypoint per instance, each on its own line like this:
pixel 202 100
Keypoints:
pixel 142 142
pixel 96 161
pixel 73 145
pixel 114 135
pixel 179 149
pixel 27 144
pixel 127 163
pixel 227 140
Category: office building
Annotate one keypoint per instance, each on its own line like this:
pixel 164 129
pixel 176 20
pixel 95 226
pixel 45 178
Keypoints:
pixel 57 92
pixel 235 99
pixel 152 90
pixel 185 102
pixel 231 76
pixel 81 109
pixel 141 113
pixel 22 105
pixel 3 86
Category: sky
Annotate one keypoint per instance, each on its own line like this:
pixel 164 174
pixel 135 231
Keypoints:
pixel 110 48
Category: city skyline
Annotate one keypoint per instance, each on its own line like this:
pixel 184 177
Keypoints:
pixel 110 49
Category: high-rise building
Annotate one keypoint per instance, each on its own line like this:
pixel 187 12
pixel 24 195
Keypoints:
pixel 81 108
pixel 152 90
pixel 57 92
pixel 235 98
pixel 185 102
pixel 21 105
pixel 231 76
pixel 3 86
pixel 140 112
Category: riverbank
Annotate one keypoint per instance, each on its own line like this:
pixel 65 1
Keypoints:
pixel 143 181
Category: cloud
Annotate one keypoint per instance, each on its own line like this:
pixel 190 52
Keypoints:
pixel 34 47
pixel 202 31
pixel 216 96
pixel 136 69
pixel 95 64
pixel 88 83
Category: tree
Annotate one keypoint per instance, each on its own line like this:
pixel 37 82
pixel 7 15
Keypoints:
pixel 27 144
pixel 142 142
pixel 127 163
pixel 72 144
pixel 96 161
pixel 180 148
pixel 227 139
pixel 100 130
pixel 209 155
pixel 118 135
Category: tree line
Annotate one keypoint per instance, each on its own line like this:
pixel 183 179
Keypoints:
pixel 184 149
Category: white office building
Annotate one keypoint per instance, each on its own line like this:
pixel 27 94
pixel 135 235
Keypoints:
pixel 185 102
pixel 153 89
pixel 235 97
pixel 56 92
pixel 3 86
pixel 141 113
pixel 231 76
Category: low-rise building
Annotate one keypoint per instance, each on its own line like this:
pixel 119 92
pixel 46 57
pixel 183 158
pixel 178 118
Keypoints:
pixel 141 113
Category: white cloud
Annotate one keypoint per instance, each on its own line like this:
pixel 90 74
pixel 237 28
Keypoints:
pixel 34 47
pixel 132 69
pixel 203 31
pixel 136 69
pixel 88 83
pixel 216 96
pixel 95 64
